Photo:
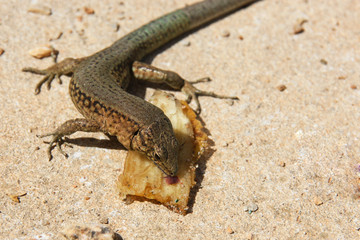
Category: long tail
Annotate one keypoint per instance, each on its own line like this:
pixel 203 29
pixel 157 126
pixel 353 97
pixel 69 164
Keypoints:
pixel 203 12
pixel 158 32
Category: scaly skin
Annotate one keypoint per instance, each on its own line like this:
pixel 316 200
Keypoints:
pixel 98 85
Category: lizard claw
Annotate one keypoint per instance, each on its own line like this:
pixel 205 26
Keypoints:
pixel 65 67
pixel 192 92
pixel 49 75
pixel 205 79
pixel 56 141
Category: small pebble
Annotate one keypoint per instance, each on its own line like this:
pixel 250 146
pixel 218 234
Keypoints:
pixel 39 9
pixel 323 61
pixel 79 18
pixel 298 27
pixel 46 223
pixel 104 220
pixel 281 87
pixel 353 87
pixel 252 207
pixel 225 33
pixel 228 142
pixel 1 51
pixel 57 37
pixel 282 164
pixel 89 10
pixel 318 201
pixel 42 51
pixel 229 230
pixel 186 43
pixel 116 27
pixel 250 236
pixel 89 232
pixel 16 197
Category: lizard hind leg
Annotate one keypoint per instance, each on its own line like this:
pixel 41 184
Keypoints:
pixel 65 67
pixel 150 73
pixel 192 92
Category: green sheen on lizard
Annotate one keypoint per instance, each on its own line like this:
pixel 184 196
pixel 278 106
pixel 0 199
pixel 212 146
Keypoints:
pixel 99 82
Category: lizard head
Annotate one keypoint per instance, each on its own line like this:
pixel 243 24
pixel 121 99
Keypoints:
pixel 159 144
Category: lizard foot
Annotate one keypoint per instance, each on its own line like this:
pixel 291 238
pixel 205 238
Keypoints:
pixel 56 141
pixel 67 128
pixel 65 67
pixel 192 92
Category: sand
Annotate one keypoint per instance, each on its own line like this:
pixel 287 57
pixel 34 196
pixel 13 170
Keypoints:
pixel 284 160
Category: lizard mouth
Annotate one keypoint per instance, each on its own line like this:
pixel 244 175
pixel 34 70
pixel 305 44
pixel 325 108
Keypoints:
pixel 161 166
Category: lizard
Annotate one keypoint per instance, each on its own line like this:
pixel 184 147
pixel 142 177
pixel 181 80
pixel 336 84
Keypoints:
pixel 99 82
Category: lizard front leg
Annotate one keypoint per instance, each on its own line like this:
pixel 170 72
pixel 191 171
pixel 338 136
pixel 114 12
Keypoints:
pixel 150 73
pixel 67 128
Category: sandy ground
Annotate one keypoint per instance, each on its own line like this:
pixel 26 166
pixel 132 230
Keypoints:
pixel 284 163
